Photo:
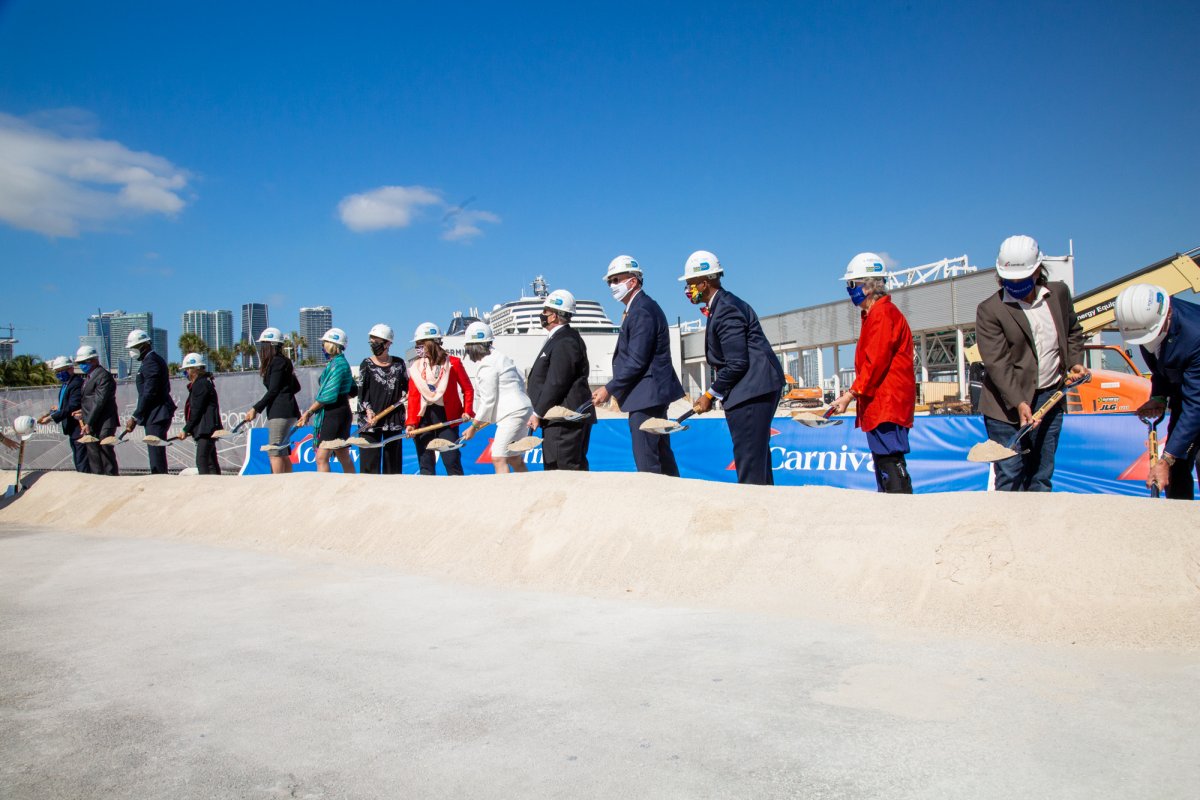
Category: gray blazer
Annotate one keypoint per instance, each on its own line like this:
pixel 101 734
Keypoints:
pixel 1006 346
pixel 99 402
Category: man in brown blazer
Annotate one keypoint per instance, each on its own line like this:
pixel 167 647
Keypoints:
pixel 1029 340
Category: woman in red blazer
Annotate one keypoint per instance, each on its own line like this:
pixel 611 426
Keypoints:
pixel 885 383
pixel 438 391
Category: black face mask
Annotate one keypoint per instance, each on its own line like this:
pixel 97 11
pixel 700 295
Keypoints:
pixel 377 348
pixel 545 318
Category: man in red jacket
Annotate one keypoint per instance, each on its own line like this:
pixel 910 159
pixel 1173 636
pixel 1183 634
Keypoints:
pixel 885 384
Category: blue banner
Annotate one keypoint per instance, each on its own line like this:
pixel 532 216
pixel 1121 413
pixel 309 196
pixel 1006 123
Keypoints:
pixel 1097 454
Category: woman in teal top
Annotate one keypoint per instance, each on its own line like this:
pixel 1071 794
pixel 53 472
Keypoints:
pixel 330 411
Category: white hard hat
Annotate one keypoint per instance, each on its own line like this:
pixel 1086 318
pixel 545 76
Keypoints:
pixel 479 333
pixel 560 300
pixel 24 425
pixel 701 264
pixel 865 265
pixel 1019 258
pixel 85 353
pixel 382 331
pixel 1141 312
pixel 426 331
pixel 271 336
pixel 136 337
pixel 193 361
pixel 621 265
pixel 335 336
pixel 60 362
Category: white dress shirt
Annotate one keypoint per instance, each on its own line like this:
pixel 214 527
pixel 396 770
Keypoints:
pixel 1045 336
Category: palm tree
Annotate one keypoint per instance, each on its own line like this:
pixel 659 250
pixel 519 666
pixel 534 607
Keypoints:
pixel 192 343
pixel 173 368
pixel 221 359
pixel 25 370
pixel 298 343
pixel 243 350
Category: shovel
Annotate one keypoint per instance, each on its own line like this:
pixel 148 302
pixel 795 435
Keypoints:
pixel 814 420
pixel 525 444
pixel 666 426
pixel 154 441
pixel 567 415
pixel 360 442
pixel 379 417
pixel 224 434
pixel 112 440
pixel 276 449
pixel 363 444
pixel 445 445
pixel 990 451
pixel 15 489
pixel 1152 447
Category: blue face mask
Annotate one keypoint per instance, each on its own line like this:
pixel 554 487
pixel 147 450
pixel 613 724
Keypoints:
pixel 63 376
pixel 85 368
pixel 1020 288
pixel 858 294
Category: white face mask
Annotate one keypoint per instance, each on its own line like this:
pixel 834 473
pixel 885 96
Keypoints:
pixel 620 290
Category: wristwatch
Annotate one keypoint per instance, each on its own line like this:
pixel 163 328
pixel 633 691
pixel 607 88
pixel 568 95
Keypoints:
pixel 1169 459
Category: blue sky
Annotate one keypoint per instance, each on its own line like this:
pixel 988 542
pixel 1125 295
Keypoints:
pixel 162 156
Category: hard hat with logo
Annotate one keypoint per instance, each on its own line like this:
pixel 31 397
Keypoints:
pixel 271 336
pixel 560 300
pixel 1019 258
pixel 60 362
pixel 426 331
pixel 136 337
pixel 701 264
pixel 479 333
pixel 382 331
pixel 194 361
pixel 85 353
pixel 335 336
pixel 24 425
pixel 1141 312
pixel 621 265
pixel 865 265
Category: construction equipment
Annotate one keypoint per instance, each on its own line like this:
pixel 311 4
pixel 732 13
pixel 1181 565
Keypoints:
pixel 797 396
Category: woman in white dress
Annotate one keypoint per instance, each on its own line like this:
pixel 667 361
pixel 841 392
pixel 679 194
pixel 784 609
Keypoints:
pixel 499 397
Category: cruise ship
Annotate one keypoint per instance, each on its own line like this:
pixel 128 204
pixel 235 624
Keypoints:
pixel 520 336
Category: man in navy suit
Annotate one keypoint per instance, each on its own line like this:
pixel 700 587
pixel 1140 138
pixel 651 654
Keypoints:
pixel 155 408
pixel 643 381
pixel 70 400
pixel 748 378
pixel 1168 330
pixel 559 377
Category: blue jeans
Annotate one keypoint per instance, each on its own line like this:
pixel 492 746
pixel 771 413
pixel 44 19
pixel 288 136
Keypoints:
pixel 1031 471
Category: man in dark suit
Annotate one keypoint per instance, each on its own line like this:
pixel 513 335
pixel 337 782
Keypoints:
pixel 559 377
pixel 97 412
pixel 69 401
pixel 1168 331
pixel 643 382
pixel 1029 341
pixel 155 407
pixel 748 378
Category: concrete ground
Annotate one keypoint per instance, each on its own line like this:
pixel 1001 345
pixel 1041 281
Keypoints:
pixel 140 668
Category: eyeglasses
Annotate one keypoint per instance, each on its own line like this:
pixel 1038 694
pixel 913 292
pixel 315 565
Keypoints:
pixel 615 279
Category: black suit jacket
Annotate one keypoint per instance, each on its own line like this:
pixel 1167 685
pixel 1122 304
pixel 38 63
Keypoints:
pixel 559 376
pixel 642 373
pixel 155 405
pixel 72 400
pixel 203 408
pixel 98 401
pixel 736 347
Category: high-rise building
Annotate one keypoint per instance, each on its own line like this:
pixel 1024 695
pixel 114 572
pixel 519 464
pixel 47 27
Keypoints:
pixel 158 340
pixel 99 336
pixel 120 324
pixel 222 324
pixel 313 324
pixel 254 322
pixel 214 327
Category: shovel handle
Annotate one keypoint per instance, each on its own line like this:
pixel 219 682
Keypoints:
pixel 437 427
pixel 1046 406
pixel 381 415
pixel 690 412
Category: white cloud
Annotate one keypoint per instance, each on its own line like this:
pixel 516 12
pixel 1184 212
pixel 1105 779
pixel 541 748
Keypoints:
pixel 888 262
pixel 463 225
pixel 57 179
pixel 401 206
pixel 386 207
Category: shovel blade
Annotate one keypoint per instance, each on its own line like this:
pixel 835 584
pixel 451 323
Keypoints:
pixel 525 444
pixel 820 422
pixel 989 451
pixel 443 445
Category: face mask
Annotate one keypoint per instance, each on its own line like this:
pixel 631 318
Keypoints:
pixel 620 290
pixel 85 368
pixel 1020 288
pixel 420 351
pixel 328 355
pixel 377 348
pixel 694 294
pixel 858 295
pixel 63 376
pixel 545 318
pixel 136 354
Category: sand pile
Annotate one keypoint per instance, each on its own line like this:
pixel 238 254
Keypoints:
pixel 1106 571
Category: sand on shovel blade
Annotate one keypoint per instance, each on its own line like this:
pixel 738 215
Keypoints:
pixel 989 451
pixel 88 439
pixel 440 444
pixel 357 441
pixel 558 412
pixel 334 444
pixel 656 425
pixel 524 444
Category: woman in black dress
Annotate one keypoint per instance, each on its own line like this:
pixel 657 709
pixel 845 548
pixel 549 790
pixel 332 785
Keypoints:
pixel 279 378
pixel 202 413
pixel 383 382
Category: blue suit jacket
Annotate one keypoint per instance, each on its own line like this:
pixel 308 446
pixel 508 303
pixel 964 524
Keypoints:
pixel 70 399
pixel 736 347
pixel 642 373
pixel 1176 375
pixel 155 405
